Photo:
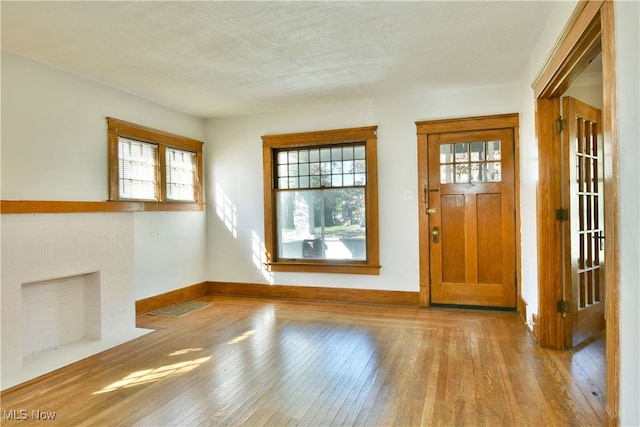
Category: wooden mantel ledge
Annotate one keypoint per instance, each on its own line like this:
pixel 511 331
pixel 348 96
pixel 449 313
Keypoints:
pixel 50 206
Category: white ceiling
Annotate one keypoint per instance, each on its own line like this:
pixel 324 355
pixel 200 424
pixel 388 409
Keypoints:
pixel 221 58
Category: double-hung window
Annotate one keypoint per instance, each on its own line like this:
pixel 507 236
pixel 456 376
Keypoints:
pixel 321 211
pixel 154 166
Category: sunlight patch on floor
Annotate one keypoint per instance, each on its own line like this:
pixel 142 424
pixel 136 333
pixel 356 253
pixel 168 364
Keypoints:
pixel 151 375
pixel 242 337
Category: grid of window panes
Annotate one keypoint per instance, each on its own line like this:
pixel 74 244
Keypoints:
pixel 137 169
pixel 319 167
pixel 181 173
pixel 470 162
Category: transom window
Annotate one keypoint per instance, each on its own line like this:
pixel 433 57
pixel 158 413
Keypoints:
pixel 470 162
pixel 151 165
pixel 321 201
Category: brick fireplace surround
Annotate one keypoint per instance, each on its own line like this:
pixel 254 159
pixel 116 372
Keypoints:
pixel 67 289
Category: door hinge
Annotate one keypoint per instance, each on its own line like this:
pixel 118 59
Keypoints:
pixel 559 124
pixel 562 214
pixel 562 306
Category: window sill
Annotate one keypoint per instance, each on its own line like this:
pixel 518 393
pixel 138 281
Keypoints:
pixel 323 267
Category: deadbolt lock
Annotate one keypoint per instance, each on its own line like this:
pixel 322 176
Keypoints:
pixel 432 211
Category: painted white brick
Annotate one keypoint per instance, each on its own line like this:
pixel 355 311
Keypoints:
pixel 90 255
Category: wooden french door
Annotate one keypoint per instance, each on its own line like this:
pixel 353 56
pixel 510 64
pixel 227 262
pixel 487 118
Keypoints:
pixel 583 154
pixel 471 218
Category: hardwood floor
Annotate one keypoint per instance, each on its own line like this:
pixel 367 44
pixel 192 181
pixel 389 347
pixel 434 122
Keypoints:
pixel 255 362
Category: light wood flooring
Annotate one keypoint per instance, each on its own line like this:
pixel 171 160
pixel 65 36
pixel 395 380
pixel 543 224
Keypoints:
pixel 262 362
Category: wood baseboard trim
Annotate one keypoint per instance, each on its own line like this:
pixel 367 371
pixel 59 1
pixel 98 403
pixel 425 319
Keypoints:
pixel 363 296
pixel 177 296
pixel 534 329
pixel 522 308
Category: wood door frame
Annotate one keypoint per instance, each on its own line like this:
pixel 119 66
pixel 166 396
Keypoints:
pixel 480 123
pixel 588 32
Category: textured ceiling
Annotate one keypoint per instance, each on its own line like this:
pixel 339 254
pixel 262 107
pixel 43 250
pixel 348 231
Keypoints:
pixel 231 58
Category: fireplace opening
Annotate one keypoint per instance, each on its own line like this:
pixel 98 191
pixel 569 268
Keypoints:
pixel 59 312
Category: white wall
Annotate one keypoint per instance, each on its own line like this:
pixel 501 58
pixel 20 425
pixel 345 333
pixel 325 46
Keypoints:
pixel 169 251
pixel 529 153
pixel 54 147
pixel 627 24
pixel 233 167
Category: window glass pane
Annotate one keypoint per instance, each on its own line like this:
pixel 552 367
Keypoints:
pixel 477 174
pixel 304 182
pixel 493 150
pixel 293 182
pixel 303 156
pixel 325 181
pixel 293 156
pixel 137 169
pixel 180 174
pixel 325 154
pixel 360 179
pixel 336 180
pixel 293 169
pixel 336 168
pixel 494 171
pixel 446 153
pixel 314 155
pixel 336 153
pixel 462 173
pixel 314 169
pixel 347 153
pixel 446 174
pixel 282 157
pixel 283 182
pixel 283 170
pixel 347 179
pixel 477 151
pixel 347 166
pixel 303 169
pixel 359 152
pixel 462 152
pixel 360 166
pixel 325 168
pixel 321 224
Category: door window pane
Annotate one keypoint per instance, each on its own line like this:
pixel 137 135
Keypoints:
pixel 474 162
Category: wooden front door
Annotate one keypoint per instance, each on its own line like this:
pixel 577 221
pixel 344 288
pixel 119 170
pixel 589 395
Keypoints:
pixel 583 154
pixel 471 216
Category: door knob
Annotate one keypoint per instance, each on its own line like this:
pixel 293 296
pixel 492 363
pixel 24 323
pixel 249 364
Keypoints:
pixel 436 235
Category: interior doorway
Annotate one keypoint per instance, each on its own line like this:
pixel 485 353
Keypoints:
pixel 588 33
